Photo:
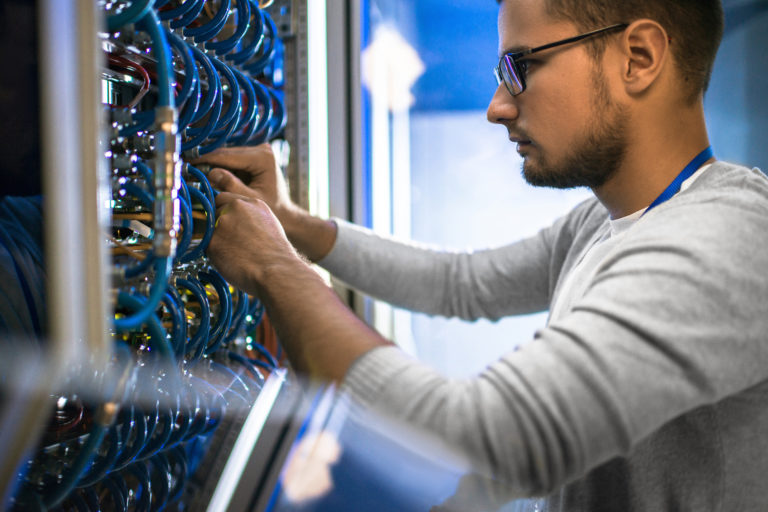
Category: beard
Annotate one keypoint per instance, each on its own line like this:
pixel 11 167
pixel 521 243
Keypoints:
pixel 596 157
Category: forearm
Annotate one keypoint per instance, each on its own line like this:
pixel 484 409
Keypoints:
pixel 320 335
pixel 484 284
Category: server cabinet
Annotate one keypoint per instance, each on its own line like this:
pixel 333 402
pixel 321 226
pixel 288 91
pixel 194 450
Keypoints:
pixel 133 375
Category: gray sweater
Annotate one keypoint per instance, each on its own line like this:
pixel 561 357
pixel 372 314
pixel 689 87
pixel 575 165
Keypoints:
pixel 650 394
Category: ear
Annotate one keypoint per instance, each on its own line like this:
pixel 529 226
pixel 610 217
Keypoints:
pixel 645 46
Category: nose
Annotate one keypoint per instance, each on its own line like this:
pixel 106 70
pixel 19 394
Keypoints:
pixel 503 107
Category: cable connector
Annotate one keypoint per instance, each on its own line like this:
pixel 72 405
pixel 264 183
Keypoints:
pixel 167 181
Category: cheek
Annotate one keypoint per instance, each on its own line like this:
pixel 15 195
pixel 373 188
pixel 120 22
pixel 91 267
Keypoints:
pixel 562 112
pixel 559 123
pixel 568 82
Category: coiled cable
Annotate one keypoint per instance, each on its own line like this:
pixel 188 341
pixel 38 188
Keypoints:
pixel 224 318
pixel 249 49
pixel 131 14
pixel 243 21
pixel 199 250
pixel 210 29
pixel 196 344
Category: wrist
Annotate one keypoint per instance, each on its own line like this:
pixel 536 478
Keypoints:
pixel 275 268
pixel 312 236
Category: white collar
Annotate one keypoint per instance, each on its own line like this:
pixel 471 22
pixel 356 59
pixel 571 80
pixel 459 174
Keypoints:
pixel 622 224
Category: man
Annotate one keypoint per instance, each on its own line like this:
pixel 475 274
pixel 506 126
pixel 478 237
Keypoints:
pixel 648 389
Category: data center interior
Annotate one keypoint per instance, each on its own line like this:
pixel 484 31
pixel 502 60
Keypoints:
pixel 133 376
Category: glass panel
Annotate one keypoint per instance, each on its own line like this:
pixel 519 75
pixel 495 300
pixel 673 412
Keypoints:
pixel 736 105
pixel 441 173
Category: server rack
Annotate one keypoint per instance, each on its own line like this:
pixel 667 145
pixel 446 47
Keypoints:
pixel 109 157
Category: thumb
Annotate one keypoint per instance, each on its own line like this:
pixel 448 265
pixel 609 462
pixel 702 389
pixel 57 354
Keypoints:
pixel 228 182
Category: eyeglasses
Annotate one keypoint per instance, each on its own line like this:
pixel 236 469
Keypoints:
pixel 511 70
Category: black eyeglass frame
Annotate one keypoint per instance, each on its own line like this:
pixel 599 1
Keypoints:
pixel 509 61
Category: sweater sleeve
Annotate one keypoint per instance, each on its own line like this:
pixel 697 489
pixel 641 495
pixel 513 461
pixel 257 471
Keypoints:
pixel 675 319
pixel 518 278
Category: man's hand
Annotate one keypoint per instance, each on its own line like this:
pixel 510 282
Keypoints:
pixel 256 168
pixel 248 240
pixel 252 173
pixel 321 336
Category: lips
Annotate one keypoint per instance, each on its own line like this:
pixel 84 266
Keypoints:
pixel 522 144
pixel 519 140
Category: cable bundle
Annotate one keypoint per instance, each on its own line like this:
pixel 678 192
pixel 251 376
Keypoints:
pixel 181 78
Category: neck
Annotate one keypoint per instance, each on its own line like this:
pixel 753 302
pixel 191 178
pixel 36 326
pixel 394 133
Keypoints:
pixel 653 160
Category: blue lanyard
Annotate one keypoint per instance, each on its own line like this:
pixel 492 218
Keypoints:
pixel 686 173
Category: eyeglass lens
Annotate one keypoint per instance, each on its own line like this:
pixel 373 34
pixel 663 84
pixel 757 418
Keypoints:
pixel 512 78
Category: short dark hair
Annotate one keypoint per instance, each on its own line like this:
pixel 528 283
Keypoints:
pixel 695 26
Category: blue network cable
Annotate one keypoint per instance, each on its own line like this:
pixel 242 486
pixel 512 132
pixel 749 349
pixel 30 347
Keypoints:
pixel 187 225
pixel 132 189
pixel 135 424
pixel 266 51
pixel 209 30
pixel 181 10
pixel 162 53
pixel 238 317
pixel 224 319
pixel 175 308
pixel 258 377
pixel 211 104
pixel 189 96
pixel 259 132
pixel 74 472
pixel 255 311
pixel 102 464
pixel 196 344
pixel 159 478
pixel 195 8
pixel 144 310
pixel 233 110
pixel 249 49
pixel 229 121
pixel 243 22
pixel 250 114
pixel 148 176
pixel 204 183
pixel 210 216
pixel 178 459
pixel 162 433
pixel 190 70
pixel 131 14
pixel 278 121
pixel 143 495
pixel 214 86
pixel 272 362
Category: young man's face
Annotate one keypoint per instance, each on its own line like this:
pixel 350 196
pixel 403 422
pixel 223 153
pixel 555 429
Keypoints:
pixel 569 130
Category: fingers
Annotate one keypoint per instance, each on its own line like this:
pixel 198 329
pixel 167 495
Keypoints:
pixel 228 182
pixel 226 198
pixel 246 159
pixel 227 202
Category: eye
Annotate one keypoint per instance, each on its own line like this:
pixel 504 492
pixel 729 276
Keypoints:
pixel 523 65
